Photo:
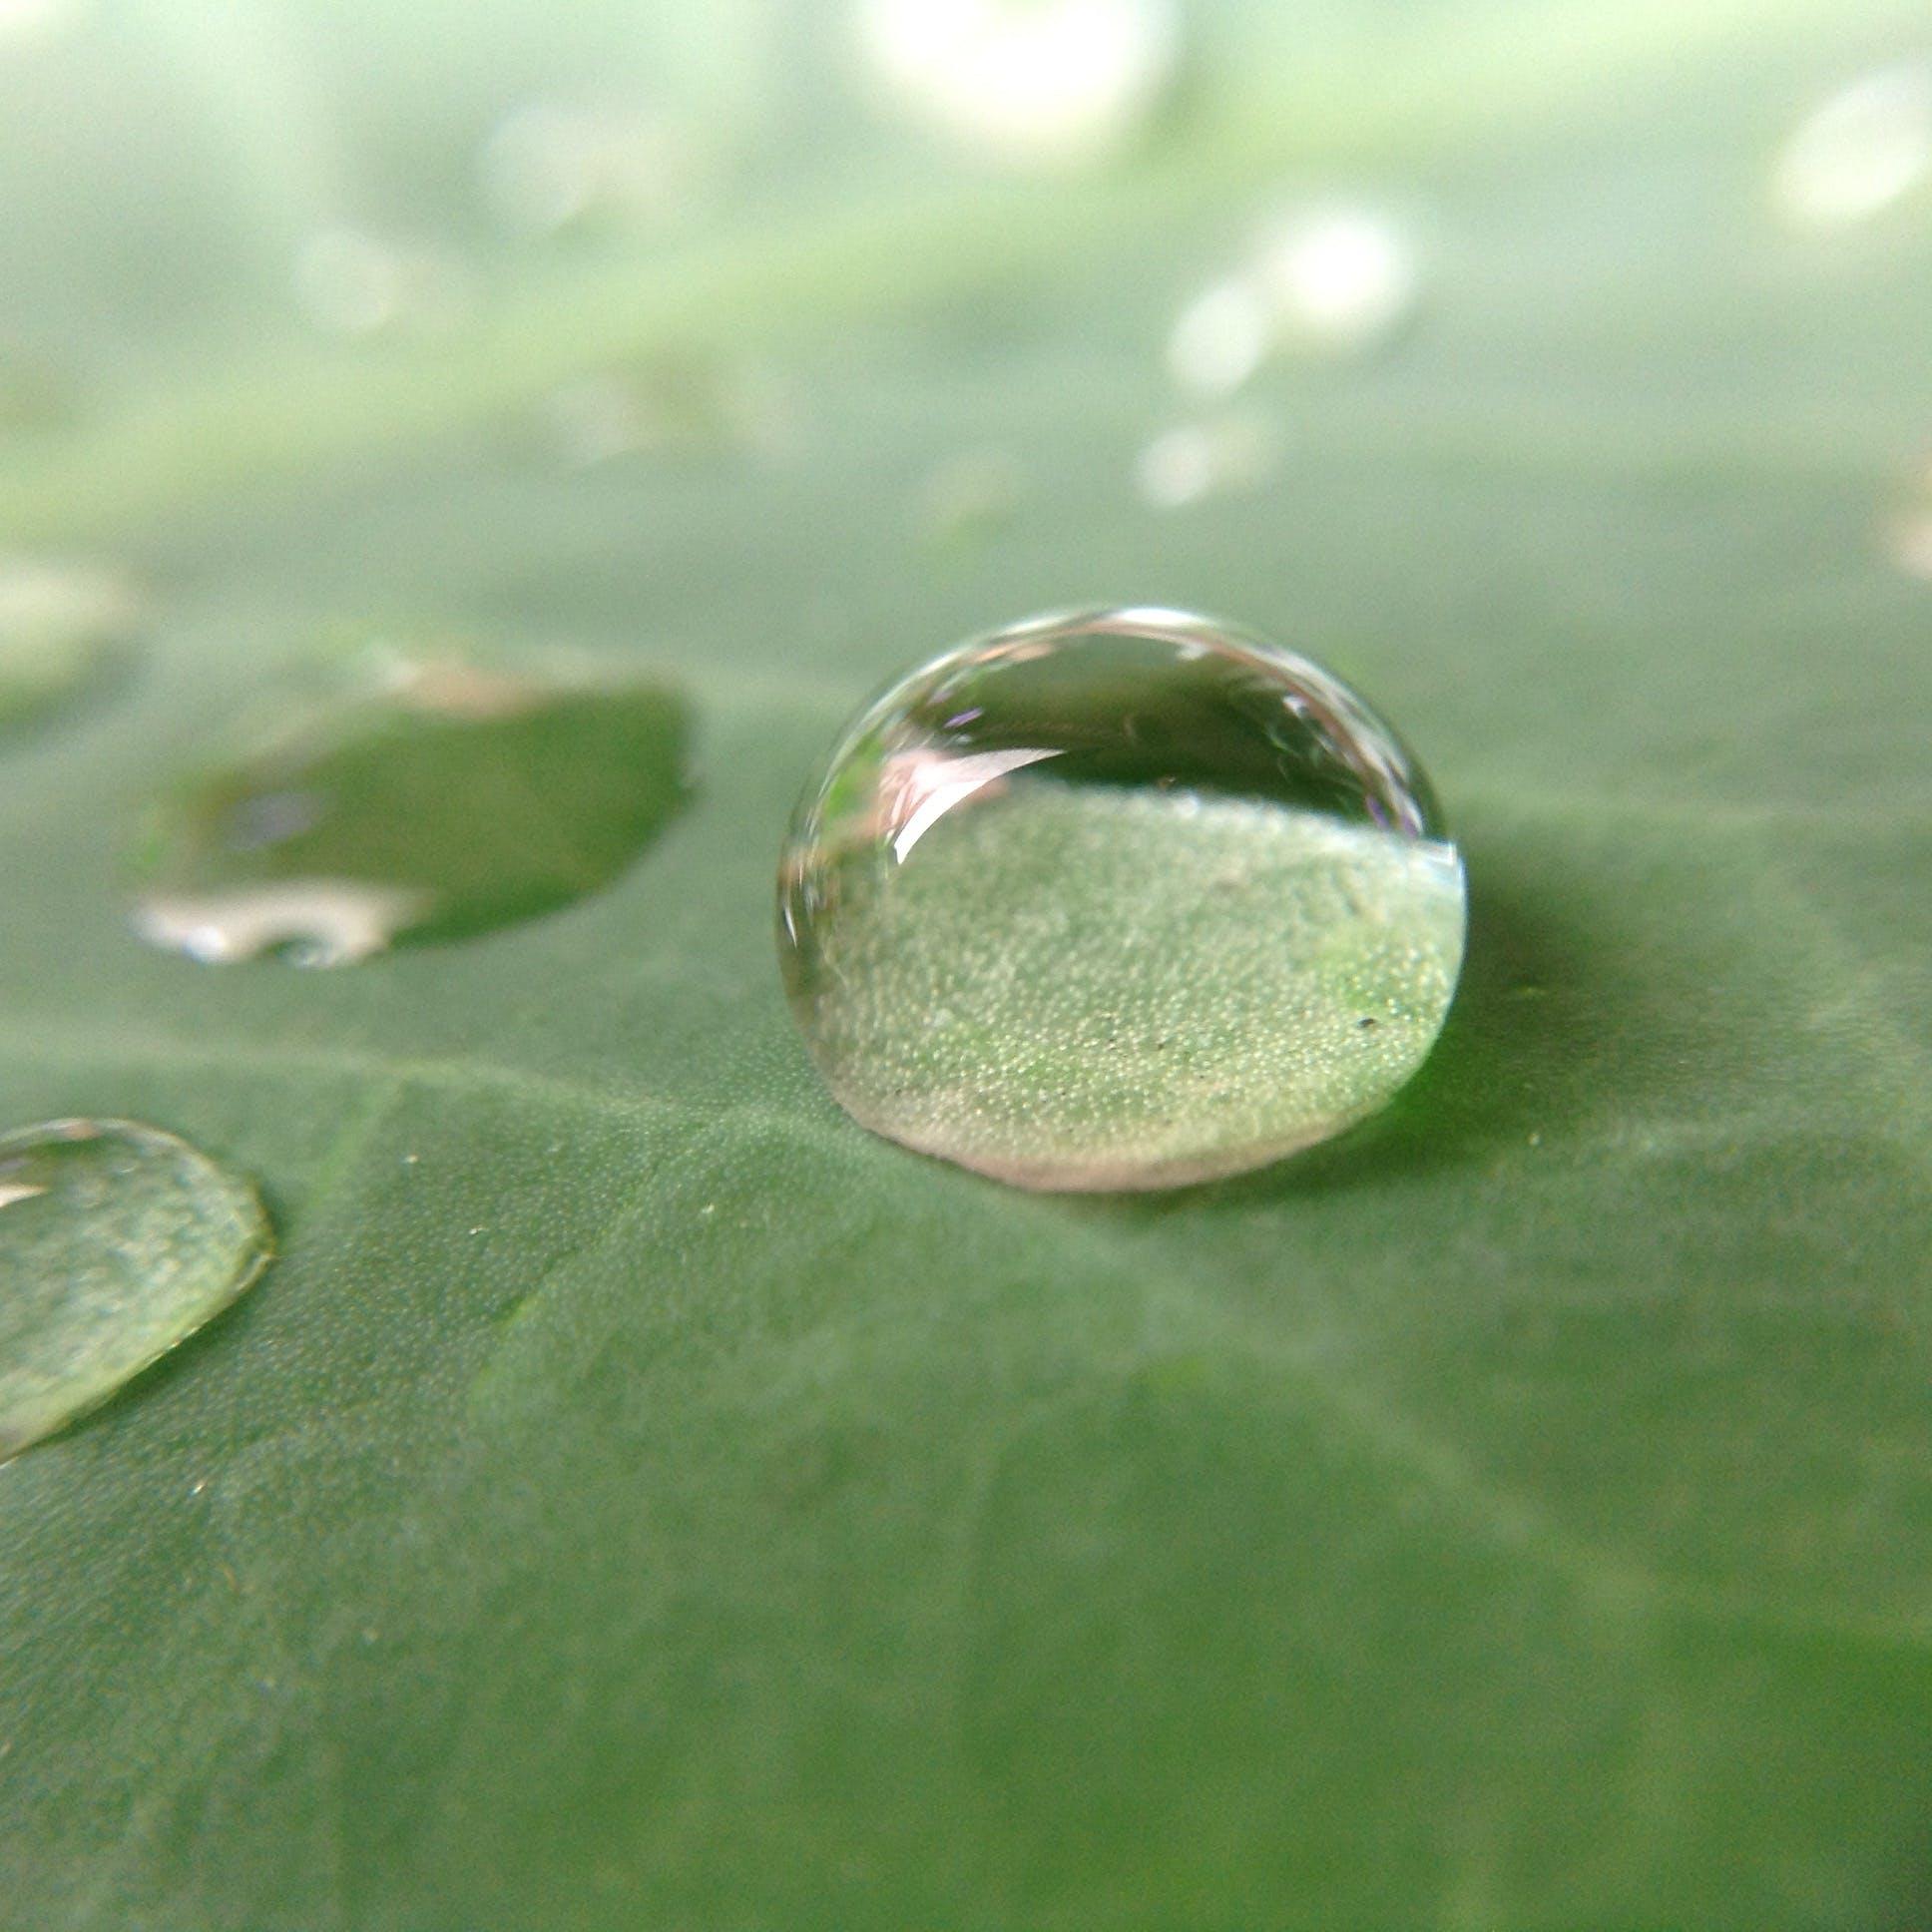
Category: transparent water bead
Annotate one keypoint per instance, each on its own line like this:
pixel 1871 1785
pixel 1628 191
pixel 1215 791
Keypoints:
pixel 116 1243
pixel 449 800
pixel 1118 899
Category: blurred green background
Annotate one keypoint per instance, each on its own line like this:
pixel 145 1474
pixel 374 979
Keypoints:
pixel 639 1499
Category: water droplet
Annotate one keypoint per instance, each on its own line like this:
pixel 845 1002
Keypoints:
pixel 668 406
pixel 1907 533
pixel 1102 901
pixel 116 1243
pixel 1336 279
pixel 1030 83
pixel 970 498
pixel 349 282
pixel 23 20
pixel 37 393
pixel 1864 147
pixel 1323 280
pixel 1221 338
pixel 1222 455
pixel 452 801
pixel 62 626
pixel 550 165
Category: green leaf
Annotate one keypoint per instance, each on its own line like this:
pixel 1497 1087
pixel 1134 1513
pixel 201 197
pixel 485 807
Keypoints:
pixel 639 1498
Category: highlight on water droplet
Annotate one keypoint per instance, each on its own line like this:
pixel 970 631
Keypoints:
pixel 1115 900
pixel 1861 150
pixel 1228 454
pixel 117 1242
pixel 63 627
pixel 442 800
pixel 1026 82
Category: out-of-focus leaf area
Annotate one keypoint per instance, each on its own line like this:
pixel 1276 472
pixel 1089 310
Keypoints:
pixel 635 1497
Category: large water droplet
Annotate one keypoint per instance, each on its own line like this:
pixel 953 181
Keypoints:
pixel 116 1243
pixel 457 800
pixel 1121 899
pixel 62 626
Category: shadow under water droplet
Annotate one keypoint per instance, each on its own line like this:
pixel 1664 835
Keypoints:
pixel 1483 1087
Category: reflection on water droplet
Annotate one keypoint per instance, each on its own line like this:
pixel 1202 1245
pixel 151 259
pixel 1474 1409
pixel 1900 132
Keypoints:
pixel 548 165
pixel 1221 455
pixel 311 922
pixel 1032 82
pixel 62 626
pixel 453 801
pixel 349 282
pixel 1119 901
pixel 116 1243
pixel 1863 148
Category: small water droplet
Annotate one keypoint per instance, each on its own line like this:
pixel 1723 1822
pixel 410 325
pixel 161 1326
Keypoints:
pixel 62 626
pixel 117 1242
pixel 969 498
pixel 1121 928
pixel 1221 338
pixel 25 21
pixel 349 282
pixel 1221 455
pixel 37 394
pixel 1336 279
pixel 668 405
pixel 1327 279
pixel 1907 534
pixel 551 164
pixel 454 799
pixel 1861 150
pixel 1028 82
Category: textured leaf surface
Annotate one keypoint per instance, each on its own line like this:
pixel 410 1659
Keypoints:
pixel 637 1498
